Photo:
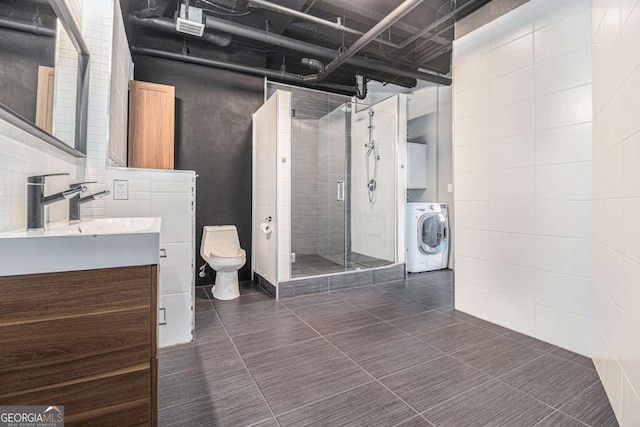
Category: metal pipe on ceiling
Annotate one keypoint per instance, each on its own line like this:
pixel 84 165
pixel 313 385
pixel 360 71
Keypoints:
pixel 167 25
pixel 258 71
pixel 318 51
pixel 303 15
pixel 393 17
pixel 10 24
pixel 445 18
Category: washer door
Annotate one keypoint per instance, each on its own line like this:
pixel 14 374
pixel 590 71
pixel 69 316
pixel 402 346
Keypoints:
pixel 432 234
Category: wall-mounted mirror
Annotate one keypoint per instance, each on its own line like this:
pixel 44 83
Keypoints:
pixel 44 67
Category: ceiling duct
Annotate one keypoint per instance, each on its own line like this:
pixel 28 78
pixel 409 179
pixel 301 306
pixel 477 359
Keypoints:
pixel 167 25
pixel 265 72
pixel 190 20
pixel 314 64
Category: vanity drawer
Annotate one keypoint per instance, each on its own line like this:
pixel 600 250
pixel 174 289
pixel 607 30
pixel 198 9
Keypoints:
pixel 40 353
pixel 36 297
pixel 114 399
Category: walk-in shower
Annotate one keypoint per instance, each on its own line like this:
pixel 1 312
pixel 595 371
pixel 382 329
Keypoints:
pixel 336 184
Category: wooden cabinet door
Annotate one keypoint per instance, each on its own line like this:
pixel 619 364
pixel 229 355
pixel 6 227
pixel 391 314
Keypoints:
pixel 151 125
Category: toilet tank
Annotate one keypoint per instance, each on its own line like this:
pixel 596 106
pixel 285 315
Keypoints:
pixel 218 236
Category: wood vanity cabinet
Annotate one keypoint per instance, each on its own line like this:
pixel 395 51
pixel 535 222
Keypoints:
pixel 151 125
pixel 83 339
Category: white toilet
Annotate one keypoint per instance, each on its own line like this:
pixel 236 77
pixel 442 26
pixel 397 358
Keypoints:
pixel 221 249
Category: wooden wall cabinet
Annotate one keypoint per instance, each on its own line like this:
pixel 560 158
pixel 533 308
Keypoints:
pixel 151 125
pixel 83 339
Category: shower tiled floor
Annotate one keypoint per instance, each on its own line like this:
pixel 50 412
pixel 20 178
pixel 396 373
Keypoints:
pixel 394 354
pixel 311 265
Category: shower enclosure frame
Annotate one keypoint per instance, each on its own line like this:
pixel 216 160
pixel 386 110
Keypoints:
pixel 272 198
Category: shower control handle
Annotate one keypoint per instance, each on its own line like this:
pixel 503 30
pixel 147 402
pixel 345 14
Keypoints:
pixel 340 196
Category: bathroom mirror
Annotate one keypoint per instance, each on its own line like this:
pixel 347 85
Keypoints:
pixel 44 66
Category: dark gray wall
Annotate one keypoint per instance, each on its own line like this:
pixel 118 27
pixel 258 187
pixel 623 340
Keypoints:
pixel 213 137
pixel 20 56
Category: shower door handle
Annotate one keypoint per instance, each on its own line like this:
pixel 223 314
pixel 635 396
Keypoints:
pixel 340 196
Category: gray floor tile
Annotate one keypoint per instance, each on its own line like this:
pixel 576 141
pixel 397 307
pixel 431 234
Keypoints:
pixel 438 302
pixel 366 406
pixel 424 322
pixel 201 292
pixel 396 309
pixel 250 298
pixel 208 326
pixel 221 393
pixel 311 300
pixel 446 285
pixel 573 357
pixel 335 317
pixel 248 287
pixel 246 319
pixel 498 356
pixel 456 337
pixel 303 373
pixel 558 419
pixel 366 296
pixel 198 355
pixel 382 349
pixel 551 379
pixel 284 331
pixel 416 421
pixel 591 406
pixel 492 404
pixel 239 405
pixel 413 291
pixel 496 329
pixel 267 423
pixel 430 276
pixel 430 384
pixel 382 304
pixel 530 341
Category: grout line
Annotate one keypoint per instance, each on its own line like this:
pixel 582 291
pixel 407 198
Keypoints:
pixel 358 365
pixel 245 365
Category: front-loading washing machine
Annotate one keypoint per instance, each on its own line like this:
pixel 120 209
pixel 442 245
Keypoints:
pixel 427 237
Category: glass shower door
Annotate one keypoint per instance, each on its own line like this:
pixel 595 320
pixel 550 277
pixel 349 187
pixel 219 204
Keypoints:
pixel 334 188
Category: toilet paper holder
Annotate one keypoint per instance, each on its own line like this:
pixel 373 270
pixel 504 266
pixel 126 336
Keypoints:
pixel 268 219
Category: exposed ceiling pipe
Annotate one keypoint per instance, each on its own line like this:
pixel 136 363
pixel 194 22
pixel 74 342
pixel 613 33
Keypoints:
pixel 445 18
pixel 303 15
pixel 318 51
pixel 314 64
pixel 397 14
pixel 149 11
pixel 10 24
pixel 288 77
pixel 167 25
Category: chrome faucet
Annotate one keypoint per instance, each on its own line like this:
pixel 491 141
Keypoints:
pixel 36 200
pixel 76 201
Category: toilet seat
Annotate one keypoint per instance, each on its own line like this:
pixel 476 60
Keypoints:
pixel 226 252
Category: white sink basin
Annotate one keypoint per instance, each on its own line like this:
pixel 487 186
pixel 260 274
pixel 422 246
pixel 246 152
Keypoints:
pixel 90 244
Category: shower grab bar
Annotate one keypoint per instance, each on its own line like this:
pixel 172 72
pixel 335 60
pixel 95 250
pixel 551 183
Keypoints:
pixel 340 197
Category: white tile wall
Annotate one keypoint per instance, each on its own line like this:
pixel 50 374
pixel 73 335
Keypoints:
pixel 524 182
pixel 616 130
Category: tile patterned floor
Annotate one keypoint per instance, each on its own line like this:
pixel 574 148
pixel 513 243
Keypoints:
pixel 394 354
